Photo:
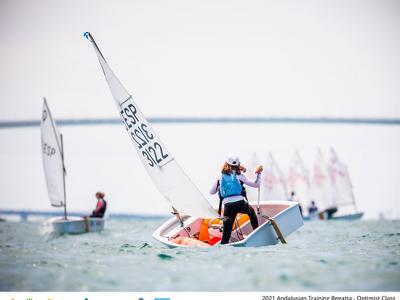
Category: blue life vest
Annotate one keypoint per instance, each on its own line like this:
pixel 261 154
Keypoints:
pixel 230 185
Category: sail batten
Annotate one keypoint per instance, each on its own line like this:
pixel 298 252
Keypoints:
pixel 169 178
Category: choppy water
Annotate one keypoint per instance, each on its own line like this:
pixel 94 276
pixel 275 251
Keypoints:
pixel 357 256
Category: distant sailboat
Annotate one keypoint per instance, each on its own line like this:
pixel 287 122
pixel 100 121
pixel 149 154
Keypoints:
pixel 342 186
pixel 298 180
pixel 274 181
pixel 331 188
pixel 54 171
pixel 194 216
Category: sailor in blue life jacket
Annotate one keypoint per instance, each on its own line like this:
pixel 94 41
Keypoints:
pixel 101 206
pixel 312 209
pixel 232 195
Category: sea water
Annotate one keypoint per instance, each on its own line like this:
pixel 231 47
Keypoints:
pixel 321 256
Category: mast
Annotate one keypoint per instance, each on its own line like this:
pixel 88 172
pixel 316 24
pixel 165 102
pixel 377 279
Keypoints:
pixel 65 193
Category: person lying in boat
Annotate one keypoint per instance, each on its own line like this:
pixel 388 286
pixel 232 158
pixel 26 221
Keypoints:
pixel 101 206
pixel 232 194
pixel 312 209
pixel 329 212
pixel 294 198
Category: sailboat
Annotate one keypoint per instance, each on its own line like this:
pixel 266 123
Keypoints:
pixel 332 189
pixel 342 187
pixel 298 180
pixel 274 181
pixel 54 171
pixel 194 218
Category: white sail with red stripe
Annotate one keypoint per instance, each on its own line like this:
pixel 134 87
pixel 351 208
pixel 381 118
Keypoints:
pixel 340 179
pixel 274 181
pixel 298 180
pixel 321 190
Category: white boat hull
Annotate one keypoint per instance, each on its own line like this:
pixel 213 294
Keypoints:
pixel 285 213
pixel 75 225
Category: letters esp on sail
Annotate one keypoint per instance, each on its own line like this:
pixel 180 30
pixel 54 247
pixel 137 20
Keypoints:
pixel 52 157
pixel 166 174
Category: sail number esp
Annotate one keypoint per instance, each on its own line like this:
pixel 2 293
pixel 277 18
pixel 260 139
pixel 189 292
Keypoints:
pixel 48 150
pixel 141 134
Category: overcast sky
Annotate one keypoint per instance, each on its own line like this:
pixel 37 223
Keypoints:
pixel 192 58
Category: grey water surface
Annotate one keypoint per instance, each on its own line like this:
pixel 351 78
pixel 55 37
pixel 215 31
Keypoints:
pixel 321 256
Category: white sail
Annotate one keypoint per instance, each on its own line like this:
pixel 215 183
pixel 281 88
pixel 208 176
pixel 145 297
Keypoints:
pixel 52 158
pixel 167 175
pixel 340 179
pixel 273 182
pixel 298 180
pixel 321 189
pixel 250 173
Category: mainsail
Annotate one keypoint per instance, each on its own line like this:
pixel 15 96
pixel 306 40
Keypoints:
pixel 321 190
pixel 167 175
pixel 340 179
pixel 298 180
pixel 52 158
pixel 274 182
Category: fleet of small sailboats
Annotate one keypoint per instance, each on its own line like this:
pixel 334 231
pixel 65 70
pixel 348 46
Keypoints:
pixel 329 186
pixel 54 171
pixel 195 220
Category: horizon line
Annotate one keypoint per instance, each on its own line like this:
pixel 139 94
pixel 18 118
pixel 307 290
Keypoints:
pixel 214 120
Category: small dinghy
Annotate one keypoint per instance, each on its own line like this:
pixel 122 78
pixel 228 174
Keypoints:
pixel 277 220
pixel 54 171
pixel 195 221
pixel 332 189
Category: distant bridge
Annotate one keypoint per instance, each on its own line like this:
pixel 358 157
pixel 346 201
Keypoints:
pixel 206 120
pixel 25 214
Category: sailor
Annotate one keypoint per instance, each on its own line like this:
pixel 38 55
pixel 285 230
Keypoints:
pixel 330 211
pixel 294 198
pixel 232 194
pixel 312 209
pixel 101 206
